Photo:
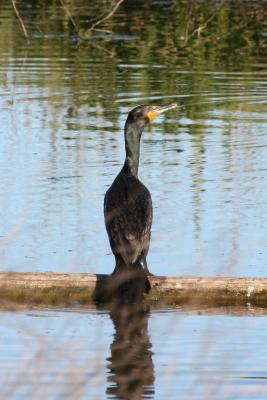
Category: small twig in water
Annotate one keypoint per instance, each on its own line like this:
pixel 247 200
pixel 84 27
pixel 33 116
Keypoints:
pixel 100 19
pixel 200 28
pixel 64 6
pixel 106 16
pixel 20 20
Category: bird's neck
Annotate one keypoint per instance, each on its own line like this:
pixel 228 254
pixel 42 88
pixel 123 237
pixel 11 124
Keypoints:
pixel 132 148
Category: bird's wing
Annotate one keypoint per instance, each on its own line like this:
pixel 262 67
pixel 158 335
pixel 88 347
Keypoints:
pixel 129 222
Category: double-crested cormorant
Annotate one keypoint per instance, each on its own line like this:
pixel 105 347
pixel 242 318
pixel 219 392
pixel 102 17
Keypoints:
pixel 128 205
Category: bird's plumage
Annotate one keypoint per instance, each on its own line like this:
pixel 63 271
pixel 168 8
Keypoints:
pixel 128 218
pixel 127 205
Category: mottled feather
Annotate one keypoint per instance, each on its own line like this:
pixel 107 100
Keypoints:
pixel 128 217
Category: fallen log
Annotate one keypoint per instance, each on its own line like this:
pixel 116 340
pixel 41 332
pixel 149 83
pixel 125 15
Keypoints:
pixel 51 288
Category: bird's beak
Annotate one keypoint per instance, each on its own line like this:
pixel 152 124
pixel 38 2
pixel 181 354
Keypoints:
pixel 157 110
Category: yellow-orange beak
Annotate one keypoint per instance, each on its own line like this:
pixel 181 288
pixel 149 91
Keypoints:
pixel 154 111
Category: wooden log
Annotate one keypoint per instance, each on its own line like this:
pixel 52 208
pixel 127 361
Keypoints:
pixel 74 288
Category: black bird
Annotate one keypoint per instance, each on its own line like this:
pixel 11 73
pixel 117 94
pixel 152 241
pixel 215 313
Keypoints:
pixel 128 205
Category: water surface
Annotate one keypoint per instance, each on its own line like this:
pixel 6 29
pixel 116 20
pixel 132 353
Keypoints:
pixel 63 107
pixel 167 354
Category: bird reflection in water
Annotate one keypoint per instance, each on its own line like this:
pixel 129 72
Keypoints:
pixel 130 365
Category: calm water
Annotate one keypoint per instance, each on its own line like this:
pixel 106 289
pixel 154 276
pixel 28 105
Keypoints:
pixel 63 108
pixel 170 355
pixel 63 104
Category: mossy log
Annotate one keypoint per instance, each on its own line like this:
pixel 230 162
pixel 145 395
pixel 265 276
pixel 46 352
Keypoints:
pixel 50 288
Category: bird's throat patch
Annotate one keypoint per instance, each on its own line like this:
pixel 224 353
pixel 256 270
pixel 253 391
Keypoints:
pixel 152 115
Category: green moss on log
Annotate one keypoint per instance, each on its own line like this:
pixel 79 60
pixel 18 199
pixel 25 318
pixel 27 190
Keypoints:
pixel 71 296
pixel 46 296
pixel 215 298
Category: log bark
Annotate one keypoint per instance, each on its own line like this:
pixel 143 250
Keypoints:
pixel 69 288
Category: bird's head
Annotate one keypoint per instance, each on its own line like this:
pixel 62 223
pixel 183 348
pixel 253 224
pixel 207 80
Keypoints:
pixel 142 115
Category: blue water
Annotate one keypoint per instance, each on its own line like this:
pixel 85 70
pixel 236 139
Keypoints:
pixel 59 354
pixel 63 108
pixel 59 154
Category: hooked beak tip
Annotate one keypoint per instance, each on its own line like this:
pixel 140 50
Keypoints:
pixel 167 107
pixel 155 111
